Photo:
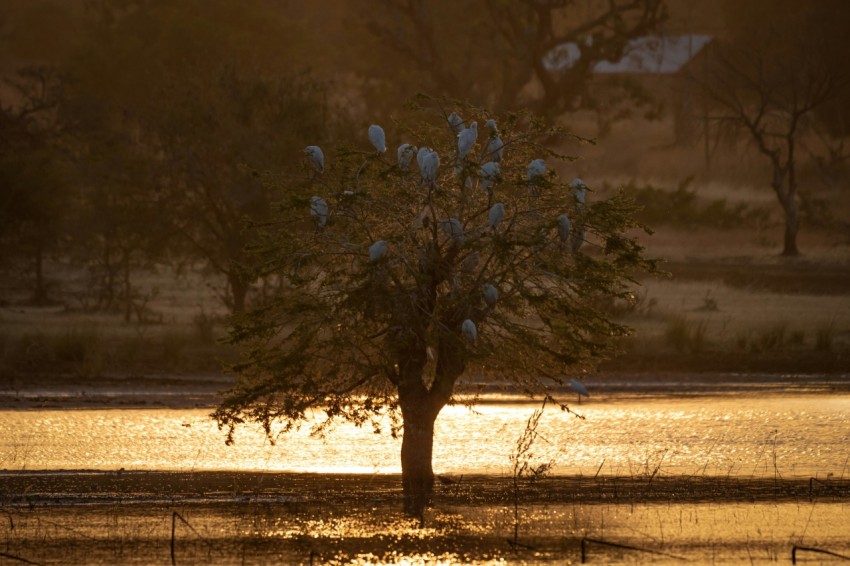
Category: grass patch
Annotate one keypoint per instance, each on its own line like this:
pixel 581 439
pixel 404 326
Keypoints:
pixel 774 337
pixel 91 351
pixel 684 208
pixel 686 335
pixel 825 337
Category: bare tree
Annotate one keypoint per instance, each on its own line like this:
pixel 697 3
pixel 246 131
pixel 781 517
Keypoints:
pixel 768 89
pixel 490 50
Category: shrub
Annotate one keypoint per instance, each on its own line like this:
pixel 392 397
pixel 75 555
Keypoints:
pixel 683 208
pixel 686 335
pixel 824 337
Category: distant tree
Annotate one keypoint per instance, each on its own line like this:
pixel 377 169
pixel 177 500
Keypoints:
pixel 397 281
pixel 220 141
pixel 492 50
pixel 121 224
pixel 824 22
pixel 35 198
pixel 768 86
pixel 208 109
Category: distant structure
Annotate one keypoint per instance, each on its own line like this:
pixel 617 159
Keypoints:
pixel 661 62
pixel 654 55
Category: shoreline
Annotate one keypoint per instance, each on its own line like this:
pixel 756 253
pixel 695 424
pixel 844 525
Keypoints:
pixel 85 487
pixel 205 391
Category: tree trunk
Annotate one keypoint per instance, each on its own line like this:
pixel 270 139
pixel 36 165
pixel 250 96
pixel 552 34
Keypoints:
pixel 238 291
pixel 792 224
pixel 787 199
pixel 128 291
pixel 417 476
pixel 40 293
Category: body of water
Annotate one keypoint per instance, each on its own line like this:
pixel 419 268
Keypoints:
pixel 742 435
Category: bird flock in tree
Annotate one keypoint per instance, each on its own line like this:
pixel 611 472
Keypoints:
pixel 571 235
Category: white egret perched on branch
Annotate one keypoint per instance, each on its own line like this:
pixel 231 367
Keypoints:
pixel 466 139
pixel 496 215
pixel 319 210
pixel 489 174
pixel 316 157
pixel 579 191
pixel 495 147
pixel 536 170
pixel 377 250
pixel 453 229
pixel 469 330
pixel 429 162
pixel 420 155
pixel 455 123
pixel 376 136
pixel 491 295
pixel 405 155
pixel 563 227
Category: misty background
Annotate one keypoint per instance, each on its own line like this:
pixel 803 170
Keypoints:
pixel 141 139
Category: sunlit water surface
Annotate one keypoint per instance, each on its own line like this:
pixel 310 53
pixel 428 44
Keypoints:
pixel 788 435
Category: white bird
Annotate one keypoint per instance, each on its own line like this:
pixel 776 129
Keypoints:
pixel 466 139
pixel 579 191
pixel 579 387
pixel 455 123
pixel 489 174
pixel 536 168
pixel 405 155
pixel 495 148
pixel 563 227
pixel 491 295
pixel 316 156
pixel 420 155
pixel 428 165
pixel 376 136
pixel 469 331
pixel 377 250
pixel 319 210
pixel 496 215
pixel 453 229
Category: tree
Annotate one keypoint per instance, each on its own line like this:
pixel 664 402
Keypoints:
pixel 191 89
pixel 769 88
pixel 220 140
pixel 491 50
pixel 403 280
pixel 35 199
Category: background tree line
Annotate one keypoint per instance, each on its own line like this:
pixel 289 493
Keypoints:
pixel 142 133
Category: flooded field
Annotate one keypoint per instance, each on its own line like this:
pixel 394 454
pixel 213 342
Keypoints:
pixel 262 518
pixel 720 478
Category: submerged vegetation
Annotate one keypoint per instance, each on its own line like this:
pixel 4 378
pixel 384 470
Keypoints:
pixel 263 518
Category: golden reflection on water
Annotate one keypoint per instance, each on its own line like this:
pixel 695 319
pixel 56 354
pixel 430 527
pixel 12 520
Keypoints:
pixel 786 435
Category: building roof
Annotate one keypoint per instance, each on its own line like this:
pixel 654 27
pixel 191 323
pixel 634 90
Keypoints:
pixel 655 54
